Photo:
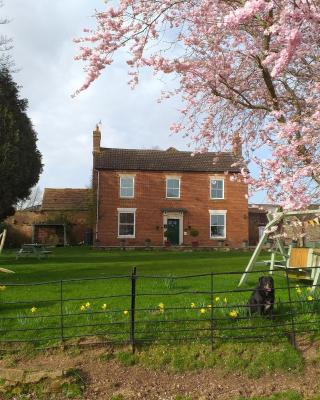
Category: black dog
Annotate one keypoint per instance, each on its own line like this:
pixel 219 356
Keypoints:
pixel 262 298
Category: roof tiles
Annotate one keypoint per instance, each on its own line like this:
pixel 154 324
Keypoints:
pixel 65 199
pixel 166 160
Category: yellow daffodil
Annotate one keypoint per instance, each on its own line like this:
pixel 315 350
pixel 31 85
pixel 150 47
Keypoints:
pixel 217 299
pixel 309 298
pixel 193 305
pixel 3 287
pixel 297 286
pixel 309 289
pixel 202 310
pixel 225 300
pixel 298 290
pixel 82 308
pixel 209 306
pixel 33 310
pixel 161 305
pixel 233 313
pixel 88 305
pixel 125 312
pixel 104 306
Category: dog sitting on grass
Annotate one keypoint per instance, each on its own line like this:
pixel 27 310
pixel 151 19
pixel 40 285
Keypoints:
pixel 262 298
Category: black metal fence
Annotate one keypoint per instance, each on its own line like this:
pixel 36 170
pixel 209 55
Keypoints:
pixel 138 309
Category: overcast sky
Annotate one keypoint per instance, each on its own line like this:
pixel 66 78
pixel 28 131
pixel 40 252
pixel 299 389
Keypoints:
pixel 42 33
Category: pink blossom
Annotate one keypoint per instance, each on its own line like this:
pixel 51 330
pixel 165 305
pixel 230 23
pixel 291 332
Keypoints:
pixel 246 68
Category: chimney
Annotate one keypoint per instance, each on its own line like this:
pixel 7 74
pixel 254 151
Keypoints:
pixel 237 144
pixel 96 138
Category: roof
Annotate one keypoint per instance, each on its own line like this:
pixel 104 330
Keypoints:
pixel 257 210
pixel 265 208
pixel 65 199
pixel 165 160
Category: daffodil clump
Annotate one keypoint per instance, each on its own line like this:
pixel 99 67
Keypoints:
pixel 85 306
pixel 233 314
pixel 299 290
pixel 33 309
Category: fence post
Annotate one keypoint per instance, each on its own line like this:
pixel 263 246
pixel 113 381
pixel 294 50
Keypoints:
pixel 133 306
pixel 293 333
pixel 61 312
pixel 211 302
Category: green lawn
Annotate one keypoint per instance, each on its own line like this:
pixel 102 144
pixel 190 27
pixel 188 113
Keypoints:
pixel 93 306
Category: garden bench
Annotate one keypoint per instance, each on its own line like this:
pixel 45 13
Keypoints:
pixel 33 249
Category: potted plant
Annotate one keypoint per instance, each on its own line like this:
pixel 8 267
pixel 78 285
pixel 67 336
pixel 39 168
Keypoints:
pixel 122 244
pixel 194 233
pixel 166 234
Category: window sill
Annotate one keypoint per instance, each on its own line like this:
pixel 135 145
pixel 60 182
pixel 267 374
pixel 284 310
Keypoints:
pixel 126 237
pixel 218 237
pixel 217 198
pixel 173 198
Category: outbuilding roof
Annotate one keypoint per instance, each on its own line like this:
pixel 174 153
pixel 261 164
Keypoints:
pixel 166 160
pixel 65 199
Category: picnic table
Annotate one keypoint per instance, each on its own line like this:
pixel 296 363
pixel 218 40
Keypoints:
pixel 33 249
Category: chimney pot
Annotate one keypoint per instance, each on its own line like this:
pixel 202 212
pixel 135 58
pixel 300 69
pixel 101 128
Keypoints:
pixel 96 139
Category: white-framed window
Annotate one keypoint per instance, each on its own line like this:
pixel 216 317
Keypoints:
pixel 216 188
pixel 126 186
pixel 126 222
pixel 218 224
pixel 173 187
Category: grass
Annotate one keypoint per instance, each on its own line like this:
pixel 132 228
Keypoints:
pixel 227 357
pixel 93 306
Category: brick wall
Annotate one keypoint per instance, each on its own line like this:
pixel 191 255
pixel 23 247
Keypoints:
pixel 150 199
pixel 256 219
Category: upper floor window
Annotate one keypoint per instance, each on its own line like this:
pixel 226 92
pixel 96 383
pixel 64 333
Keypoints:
pixel 216 188
pixel 173 188
pixel 127 186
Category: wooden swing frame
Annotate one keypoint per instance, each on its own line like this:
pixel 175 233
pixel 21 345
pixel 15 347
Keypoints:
pixel 303 264
pixel 3 235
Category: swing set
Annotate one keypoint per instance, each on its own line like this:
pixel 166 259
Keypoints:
pixel 300 262
pixel 2 239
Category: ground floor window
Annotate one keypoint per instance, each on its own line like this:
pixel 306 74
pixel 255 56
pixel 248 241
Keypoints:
pixel 126 222
pixel 217 224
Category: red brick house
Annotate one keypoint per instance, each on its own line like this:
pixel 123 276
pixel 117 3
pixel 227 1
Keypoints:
pixel 161 196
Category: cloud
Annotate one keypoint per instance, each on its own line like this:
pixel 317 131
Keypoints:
pixel 43 31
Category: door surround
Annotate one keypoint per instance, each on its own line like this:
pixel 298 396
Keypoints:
pixel 174 215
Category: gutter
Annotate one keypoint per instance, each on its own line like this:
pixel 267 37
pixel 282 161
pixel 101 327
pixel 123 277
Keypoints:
pixel 97 205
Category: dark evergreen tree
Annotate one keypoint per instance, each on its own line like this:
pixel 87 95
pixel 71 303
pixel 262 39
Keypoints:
pixel 20 160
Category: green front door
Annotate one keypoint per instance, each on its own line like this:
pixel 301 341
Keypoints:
pixel 173 231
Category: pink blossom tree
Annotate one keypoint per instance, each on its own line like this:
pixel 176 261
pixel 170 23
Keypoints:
pixel 246 70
